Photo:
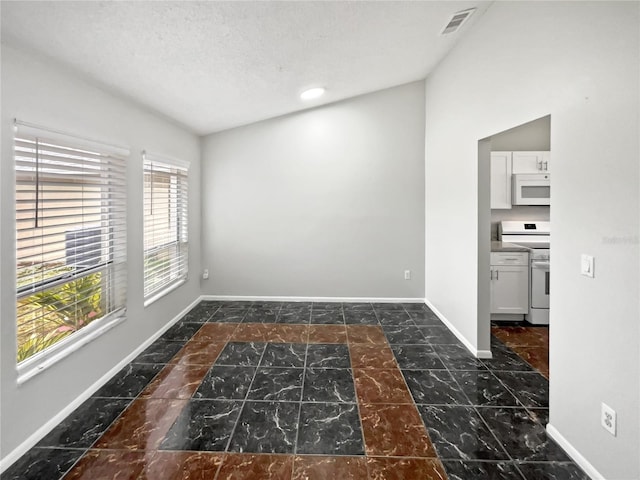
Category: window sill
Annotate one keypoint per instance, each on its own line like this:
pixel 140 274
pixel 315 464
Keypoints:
pixel 41 362
pixel 168 289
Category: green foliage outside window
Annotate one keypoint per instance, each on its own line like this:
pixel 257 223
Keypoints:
pixel 51 315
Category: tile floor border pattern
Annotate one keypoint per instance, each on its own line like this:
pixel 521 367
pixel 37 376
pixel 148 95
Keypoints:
pixel 102 451
pixel 490 372
pixel 531 343
pixel 370 340
pixel 366 334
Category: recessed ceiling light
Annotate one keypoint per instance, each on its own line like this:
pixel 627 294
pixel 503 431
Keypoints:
pixel 312 93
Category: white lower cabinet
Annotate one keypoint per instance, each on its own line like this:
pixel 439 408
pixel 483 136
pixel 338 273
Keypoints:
pixel 509 283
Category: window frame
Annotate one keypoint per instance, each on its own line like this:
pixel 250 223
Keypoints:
pixel 178 170
pixel 112 268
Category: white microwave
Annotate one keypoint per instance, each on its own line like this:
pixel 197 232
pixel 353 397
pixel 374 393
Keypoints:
pixel 531 189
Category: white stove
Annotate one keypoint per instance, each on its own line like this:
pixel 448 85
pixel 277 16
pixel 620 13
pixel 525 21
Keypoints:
pixel 534 235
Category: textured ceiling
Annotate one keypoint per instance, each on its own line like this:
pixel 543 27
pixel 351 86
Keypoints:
pixel 216 65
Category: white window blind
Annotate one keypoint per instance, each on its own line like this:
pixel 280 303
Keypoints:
pixel 70 236
pixel 165 223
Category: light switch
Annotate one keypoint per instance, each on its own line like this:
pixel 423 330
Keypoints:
pixel 587 265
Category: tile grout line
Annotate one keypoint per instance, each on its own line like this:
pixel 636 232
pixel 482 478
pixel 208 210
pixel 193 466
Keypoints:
pixel 133 399
pixel 534 368
pixel 244 401
pixel 295 442
pixel 511 392
pixel 357 402
pixel 223 454
pixel 415 406
pixel 475 409
pixel 408 391
pixel 493 434
pixel 446 368
pixel 86 450
pixel 84 454
pixel 466 396
pixel 364 440
pixel 516 465
pixel 470 404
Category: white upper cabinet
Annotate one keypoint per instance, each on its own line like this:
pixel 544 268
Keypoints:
pixel 531 162
pixel 505 164
pixel 501 180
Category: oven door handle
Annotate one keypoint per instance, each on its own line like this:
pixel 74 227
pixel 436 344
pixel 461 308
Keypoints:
pixel 541 265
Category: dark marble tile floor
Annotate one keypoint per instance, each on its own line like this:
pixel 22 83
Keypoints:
pixel 301 390
pixel 530 343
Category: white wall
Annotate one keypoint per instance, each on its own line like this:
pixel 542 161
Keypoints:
pixel 578 62
pixel 532 136
pixel 36 92
pixel 324 203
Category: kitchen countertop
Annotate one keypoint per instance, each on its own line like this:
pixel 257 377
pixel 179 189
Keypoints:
pixel 498 246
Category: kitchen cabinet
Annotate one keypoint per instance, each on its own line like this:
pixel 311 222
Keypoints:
pixel 509 283
pixel 501 180
pixel 530 162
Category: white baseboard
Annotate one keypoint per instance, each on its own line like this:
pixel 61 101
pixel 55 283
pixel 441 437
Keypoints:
pixel 486 354
pixel 39 434
pixel 312 299
pixel 575 455
pixel 476 353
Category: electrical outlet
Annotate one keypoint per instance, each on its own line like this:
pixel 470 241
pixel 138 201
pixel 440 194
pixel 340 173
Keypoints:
pixel 407 274
pixel 205 274
pixel 608 419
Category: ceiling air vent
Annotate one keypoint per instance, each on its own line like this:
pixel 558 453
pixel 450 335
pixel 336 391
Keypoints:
pixel 457 20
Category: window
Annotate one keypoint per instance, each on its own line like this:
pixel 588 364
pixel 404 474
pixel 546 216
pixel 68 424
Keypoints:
pixel 70 238
pixel 165 225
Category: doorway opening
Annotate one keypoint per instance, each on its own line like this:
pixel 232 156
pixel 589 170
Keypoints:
pixel 514 245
